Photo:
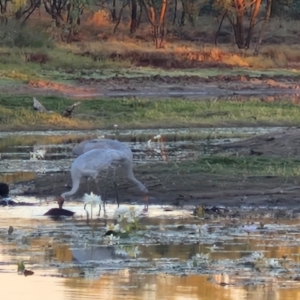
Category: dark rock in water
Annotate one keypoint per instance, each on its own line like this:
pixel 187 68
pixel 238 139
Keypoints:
pixel 5 202
pixel 58 212
pixel 4 189
pixel 109 232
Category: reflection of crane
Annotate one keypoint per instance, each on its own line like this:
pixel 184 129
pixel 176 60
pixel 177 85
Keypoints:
pixel 91 163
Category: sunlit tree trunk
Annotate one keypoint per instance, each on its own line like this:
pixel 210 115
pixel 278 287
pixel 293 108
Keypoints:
pixel 263 27
pixel 156 15
pixel 236 16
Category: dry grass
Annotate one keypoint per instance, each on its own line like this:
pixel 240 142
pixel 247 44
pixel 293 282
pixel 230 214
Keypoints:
pixel 187 47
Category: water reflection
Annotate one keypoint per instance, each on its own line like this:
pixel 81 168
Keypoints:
pixel 132 286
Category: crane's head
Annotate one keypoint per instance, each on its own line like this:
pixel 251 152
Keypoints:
pixel 60 201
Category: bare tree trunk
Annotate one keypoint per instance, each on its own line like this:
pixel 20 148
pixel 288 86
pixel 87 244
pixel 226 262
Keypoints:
pixel 263 27
pixel 162 22
pixel 120 15
pixel 157 20
pixel 113 12
pixel 220 26
pixel 140 14
pixel 133 24
pixel 252 22
pixel 182 19
pixel 175 12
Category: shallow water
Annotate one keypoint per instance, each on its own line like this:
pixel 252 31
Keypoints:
pixel 173 256
pixel 16 163
pixel 169 259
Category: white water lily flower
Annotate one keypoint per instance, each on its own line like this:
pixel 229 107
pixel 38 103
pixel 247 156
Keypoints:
pixel 136 252
pixel 197 228
pixel 37 154
pixel 92 199
pixel 203 229
pixel 121 252
pixel 257 255
pixel 272 263
pixel 113 227
pixel 129 213
pixel 135 211
pixel 113 237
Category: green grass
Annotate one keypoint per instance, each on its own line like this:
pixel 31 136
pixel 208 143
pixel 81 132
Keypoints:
pixel 147 113
pixel 234 166
pixel 31 140
pixel 69 63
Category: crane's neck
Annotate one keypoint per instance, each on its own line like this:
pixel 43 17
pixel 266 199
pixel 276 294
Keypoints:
pixel 75 187
pixel 132 178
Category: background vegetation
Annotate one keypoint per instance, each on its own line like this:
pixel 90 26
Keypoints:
pixel 54 35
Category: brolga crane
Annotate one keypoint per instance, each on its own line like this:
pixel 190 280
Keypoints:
pixel 107 144
pixel 88 145
pixel 92 162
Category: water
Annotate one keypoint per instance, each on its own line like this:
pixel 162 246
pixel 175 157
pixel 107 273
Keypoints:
pixel 172 256
pixel 174 145
pixel 71 259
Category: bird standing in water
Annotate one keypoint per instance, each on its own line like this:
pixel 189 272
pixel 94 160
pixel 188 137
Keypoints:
pixel 91 163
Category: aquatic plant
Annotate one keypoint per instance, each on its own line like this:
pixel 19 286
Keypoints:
pixel 92 200
pixel 128 218
pixel 131 251
pixel 112 239
pixel 198 260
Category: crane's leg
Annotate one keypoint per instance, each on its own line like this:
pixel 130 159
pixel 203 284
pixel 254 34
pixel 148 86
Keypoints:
pixel 87 182
pixel 116 187
pixel 87 213
pixel 102 197
pixel 100 210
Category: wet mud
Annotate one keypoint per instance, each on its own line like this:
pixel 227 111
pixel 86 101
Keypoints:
pixel 188 86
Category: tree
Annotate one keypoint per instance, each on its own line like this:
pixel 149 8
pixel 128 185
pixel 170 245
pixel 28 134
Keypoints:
pixel 134 22
pixel 66 13
pixel 236 12
pixel 156 11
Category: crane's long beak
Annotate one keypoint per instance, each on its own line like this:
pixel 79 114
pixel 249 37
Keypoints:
pixel 60 201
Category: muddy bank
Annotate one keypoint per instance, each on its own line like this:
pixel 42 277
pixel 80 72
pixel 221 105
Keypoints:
pixel 282 143
pixel 179 190
pixel 193 86
pixel 170 183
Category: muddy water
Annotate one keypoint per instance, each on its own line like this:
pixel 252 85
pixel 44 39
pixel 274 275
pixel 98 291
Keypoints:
pixel 168 259
pixel 172 256
pixel 148 146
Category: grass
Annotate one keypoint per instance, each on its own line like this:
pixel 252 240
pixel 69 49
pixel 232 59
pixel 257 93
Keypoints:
pixel 234 166
pixel 17 112
pixel 32 140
